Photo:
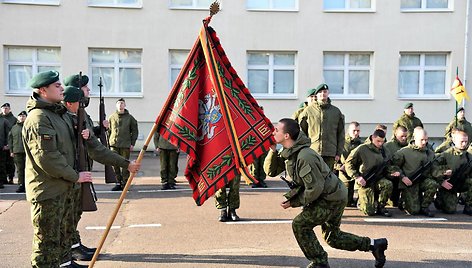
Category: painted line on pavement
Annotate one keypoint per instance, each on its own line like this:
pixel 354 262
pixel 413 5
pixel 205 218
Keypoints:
pixel 259 222
pixel 101 227
pixel 405 220
pixel 145 225
pixel 119 227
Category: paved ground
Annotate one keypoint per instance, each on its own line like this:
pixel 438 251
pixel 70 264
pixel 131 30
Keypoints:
pixel 157 228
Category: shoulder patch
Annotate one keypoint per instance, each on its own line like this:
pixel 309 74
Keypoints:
pixel 306 170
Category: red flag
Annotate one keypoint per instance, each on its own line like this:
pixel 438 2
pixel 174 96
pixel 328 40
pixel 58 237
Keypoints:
pixel 212 116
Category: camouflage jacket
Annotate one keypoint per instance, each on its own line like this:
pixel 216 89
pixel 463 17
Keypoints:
pixel 410 122
pixel 462 125
pixel 123 131
pixel 15 142
pixel 408 159
pixel 451 159
pixel 394 145
pixel 349 145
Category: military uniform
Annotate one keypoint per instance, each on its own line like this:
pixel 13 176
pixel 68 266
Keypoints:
pixel 169 158
pixel 349 145
pixel 446 200
pixel 15 143
pixel 322 196
pixel 4 130
pixel 410 122
pixel 10 163
pixel 463 125
pixel 257 171
pixel 323 123
pixel 300 109
pixel 123 133
pixel 417 197
pixel 392 147
pixel 363 159
pixel 229 202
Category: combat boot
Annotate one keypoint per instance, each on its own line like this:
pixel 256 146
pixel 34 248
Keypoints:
pixel 382 211
pixel 426 212
pixel 313 265
pixel 80 255
pixel 165 186
pixel 117 188
pixel 467 210
pixel 223 216
pixel 233 215
pixel 378 250
pixel 72 264
pixel 87 249
pixel 21 189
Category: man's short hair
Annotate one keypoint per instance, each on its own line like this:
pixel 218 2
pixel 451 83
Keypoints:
pixel 291 127
pixel 355 123
pixel 379 133
pixel 402 128
pixel 381 126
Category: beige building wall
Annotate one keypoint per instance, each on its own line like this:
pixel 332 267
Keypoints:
pixel 156 29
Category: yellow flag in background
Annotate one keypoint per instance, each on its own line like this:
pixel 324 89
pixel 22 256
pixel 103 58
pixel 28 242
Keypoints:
pixel 458 90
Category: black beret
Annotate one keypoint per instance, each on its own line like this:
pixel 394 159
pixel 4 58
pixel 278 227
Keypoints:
pixel 73 80
pixel 460 109
pixel 6 104
pixel 72 94
pixel 22 113
pixel 317 89
pixel 44 79
pixel 408 105
pixel 121 99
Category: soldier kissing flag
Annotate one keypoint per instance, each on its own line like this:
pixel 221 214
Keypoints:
pixel 211 116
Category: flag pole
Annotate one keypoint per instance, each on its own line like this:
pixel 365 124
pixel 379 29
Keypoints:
pixel 122 197
pixel 457 104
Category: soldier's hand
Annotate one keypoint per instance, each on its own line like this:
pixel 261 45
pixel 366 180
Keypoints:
pixel 342 168
pixel 336 158
pixel 131 147
pixel 285 204
pixel 85 176
pixel 407 181
pixel 12 154
pixel 447 172
pixel 360 180
pixel 133 167
pixel 85 134
pixel 273 147
pixel 445 184
pixel 106 124
pixel 395 174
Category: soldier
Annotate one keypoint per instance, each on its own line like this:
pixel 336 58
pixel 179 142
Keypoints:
pixel 323 123
pixel 369 157
pixel 123 133
pixel 227 203
pixel 351 142
pixel 416 197
pixel 257 171
pixel 322 195
pixel 408 120
pixel 17 150
pixel 50 173
pixel 10 164
pixel 169 158
pixel 454 175
pixel 4 129
pixel 392 146
pixel 303 105
pixel 96 151
pixel 458 122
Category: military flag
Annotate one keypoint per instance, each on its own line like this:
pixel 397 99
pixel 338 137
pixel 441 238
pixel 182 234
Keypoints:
pixel 458 90
pixel 211 115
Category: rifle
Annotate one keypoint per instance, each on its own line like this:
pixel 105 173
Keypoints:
pixel 457 177
pixel 374 173
pixel 89 196
pixel 417 175
pixel 110 176
pixel 295 189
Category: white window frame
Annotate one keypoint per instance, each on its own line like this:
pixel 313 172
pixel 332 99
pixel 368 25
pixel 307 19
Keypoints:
pixel 424 9
pixel 33 2
pixel 115 4
pixel 271 68
pixel 271 7
pixel 175 66
pixel 194 6
pixel 348 8
pixel 34 63
pixel 116 65
pixel 346 68
pixel 422 68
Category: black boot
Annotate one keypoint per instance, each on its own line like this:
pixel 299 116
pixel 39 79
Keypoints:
pixel 233 215
pixel 223 216
pixel 426 212
pixel 382 211
pixel 87 249
pixel 81 255
pixel 72 264
pixel 1 185
pixel 21 189
pixel 378 250
pixel 166 186
pixel 467 210
pixel 312 265
pixel 117 188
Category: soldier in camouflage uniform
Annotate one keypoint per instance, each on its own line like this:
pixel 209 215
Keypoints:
pixel 257 171
pixel 321 194
pixel 351 142
pixel 169 158
pixel 123 133
pixel 50 175
pixel 449 162
pixel 300 109
pixel 458 122
pixel 10 164
pixel 227 203
pixel 17 150
pixel 323 123
pixel 408 120
pixel 418 196
pixel 364 159
pixel 392 146
pixel 4 129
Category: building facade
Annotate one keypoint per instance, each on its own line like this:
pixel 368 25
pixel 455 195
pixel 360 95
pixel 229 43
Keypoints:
pixel 375 55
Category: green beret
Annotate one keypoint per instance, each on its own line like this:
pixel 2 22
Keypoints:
pixel 22 113
pixel 302 105
pixel 6 104
pixel 408 105
pixel 73 80
pixel 44 79
pixel 460 109
pixel 72 94
pixel 317 89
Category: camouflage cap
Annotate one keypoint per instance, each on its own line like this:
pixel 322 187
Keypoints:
pixel 44 79
pixel 72 94
pixel 73 80
pixel 317 89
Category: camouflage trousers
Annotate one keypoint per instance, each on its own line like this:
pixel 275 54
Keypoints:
pixel 419 195
pixel 328 215
pixel 367 203
pixel 73 214
pixel 20 160
pixel 169 165
pixel 122 174
pixel 257 168
pixel 48 221
pixel 447 200
pixel 231 200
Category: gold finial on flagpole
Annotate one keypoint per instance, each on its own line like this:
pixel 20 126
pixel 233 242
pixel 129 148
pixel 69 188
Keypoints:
pixel 214 8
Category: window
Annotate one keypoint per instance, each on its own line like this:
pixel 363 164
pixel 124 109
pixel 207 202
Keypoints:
pixel 190 4
pixel 22 63
pixel 349 5
pixel 271 74
pixel 426 5
pixel 116 3
pixel 274 5
pixel 422 75
pixel 348 74
pixel 177 60
pixel 33 2
pixel 120 71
